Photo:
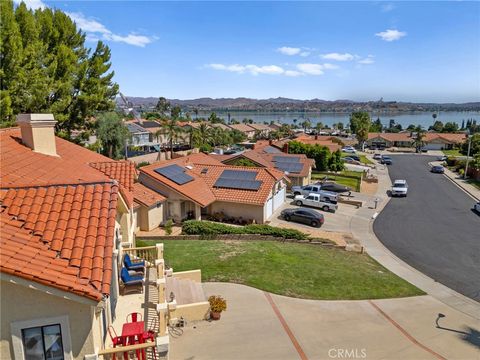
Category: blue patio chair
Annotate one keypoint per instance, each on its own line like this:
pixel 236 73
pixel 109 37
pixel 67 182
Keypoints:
pixel 130 282
pixel 137 266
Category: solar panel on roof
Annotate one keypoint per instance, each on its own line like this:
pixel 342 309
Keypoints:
pixel 286 159
pixel 239 174
pixel 175 173
pixel 291 167
pixel 271 150
pixel 238 179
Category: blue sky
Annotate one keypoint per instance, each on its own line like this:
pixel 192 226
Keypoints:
pixel 407 51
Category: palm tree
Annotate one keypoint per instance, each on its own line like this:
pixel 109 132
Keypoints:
pixel 419 137
pixel 172 131
pixel 195 111
pixel 202 134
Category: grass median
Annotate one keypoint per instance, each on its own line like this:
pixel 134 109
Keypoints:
pixel 297 270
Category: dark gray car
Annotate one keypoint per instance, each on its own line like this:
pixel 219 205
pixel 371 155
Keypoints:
pixel 304 216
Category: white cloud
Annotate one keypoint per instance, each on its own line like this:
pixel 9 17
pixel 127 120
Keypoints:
pixel 304 53
pixel 95 31
pixel 367 61
pixel 311 69
pixel 32 4
pixel 285 50
pixel 88 25
pixel 391 35
pixel 388 7
pixel 328 66
pixel 293 73
pixel 338 57
pixel 251 69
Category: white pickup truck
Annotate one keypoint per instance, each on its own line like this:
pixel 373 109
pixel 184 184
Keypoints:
pixel 315 200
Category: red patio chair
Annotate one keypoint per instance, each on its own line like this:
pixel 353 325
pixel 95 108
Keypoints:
pixel 136 316
pixel 116 340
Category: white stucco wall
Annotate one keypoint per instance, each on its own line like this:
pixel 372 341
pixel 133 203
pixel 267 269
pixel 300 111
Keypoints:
pixel 246 211
pixel 19 303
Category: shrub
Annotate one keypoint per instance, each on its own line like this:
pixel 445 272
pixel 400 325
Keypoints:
pixel 143 163
pixel 168 227
pixel 194 227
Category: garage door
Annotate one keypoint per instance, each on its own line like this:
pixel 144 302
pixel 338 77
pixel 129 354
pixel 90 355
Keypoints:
pixel 279 199
pixel 269 208
pixel 433 146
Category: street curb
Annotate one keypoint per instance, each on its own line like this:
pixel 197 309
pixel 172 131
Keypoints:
pixel 458 185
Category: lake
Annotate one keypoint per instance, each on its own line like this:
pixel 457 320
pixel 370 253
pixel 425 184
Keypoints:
pixel 418 118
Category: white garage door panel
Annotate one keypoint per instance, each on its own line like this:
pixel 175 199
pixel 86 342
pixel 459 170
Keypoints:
pixel 435 146
pixel 269 208
pixel 278 199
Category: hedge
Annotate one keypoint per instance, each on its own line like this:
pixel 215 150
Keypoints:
pixel 195 227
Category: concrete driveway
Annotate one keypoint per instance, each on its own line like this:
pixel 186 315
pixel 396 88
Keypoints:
pixel 336 226
pixel 258 325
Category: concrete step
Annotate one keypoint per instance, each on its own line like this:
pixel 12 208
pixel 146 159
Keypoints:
pixel 186 291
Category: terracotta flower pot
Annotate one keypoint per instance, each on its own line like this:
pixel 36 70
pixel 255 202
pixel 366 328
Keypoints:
pixel 215 315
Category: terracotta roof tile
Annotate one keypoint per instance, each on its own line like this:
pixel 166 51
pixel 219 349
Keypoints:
pixel 146 196
pixel 49 247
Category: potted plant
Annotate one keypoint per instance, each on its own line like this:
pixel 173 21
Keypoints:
pixel 217 305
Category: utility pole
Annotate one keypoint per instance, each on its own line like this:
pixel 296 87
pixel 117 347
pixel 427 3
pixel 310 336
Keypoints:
pixel 468 156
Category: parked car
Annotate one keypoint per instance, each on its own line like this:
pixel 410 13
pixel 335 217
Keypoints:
pixel 317 189
pixel 316 201
pixel 377 156
pixel 387 160
pixel 334 187
pixel 305 216
pixel 399 188
pixel 476 207
pixel 439 169
pixel 350 160
pixel 442 158
pixel 354 157
pixel 349 149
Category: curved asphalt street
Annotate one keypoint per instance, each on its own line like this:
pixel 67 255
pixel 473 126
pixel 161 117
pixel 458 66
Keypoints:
pixel 433 229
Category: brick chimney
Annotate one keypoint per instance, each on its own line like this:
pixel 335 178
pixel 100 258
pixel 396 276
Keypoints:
pixel 285 148
pixel 316 136
pixel 270 142
pixel 38 132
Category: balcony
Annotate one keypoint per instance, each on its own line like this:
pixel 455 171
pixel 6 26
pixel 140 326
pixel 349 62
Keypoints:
pixel 167 297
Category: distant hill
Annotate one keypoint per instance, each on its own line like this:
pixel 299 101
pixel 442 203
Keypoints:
pixel 286 104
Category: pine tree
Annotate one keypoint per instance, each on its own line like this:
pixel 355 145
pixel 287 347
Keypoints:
pixel 46 67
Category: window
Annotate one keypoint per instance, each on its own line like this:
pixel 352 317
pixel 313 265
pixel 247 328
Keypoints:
pixel 43 343
pixel 308 188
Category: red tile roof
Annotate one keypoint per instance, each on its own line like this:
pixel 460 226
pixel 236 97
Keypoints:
pixel 58 214
pixel 145 196
pixel 405 137
pixel 242 127
pixel 122 171
pixel 201 190
pixel 61 236
pixel 448 137
pixel 22 167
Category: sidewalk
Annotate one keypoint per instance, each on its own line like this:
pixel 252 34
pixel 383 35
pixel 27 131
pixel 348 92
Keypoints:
pixel 361 227
pixel 460 182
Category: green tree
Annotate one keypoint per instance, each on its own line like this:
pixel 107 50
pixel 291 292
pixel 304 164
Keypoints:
pixel 437 126
pixel 163 105
pixel 419 136
pixel 319 126
pixel 112 134
pixel 214 119
pixel 202 135
pixel 307 124
pixel 450 127
pixel 175 112
pixel 376 126
pixel 237 136
pixel 171 130
pixel 244 162
pixel 46 67
pixel 474 146
pixel 360 125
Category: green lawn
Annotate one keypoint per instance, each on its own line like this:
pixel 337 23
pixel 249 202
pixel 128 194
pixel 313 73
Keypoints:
pixel 454 152
pixel 297 270
pixel 352 178
pixel 363 158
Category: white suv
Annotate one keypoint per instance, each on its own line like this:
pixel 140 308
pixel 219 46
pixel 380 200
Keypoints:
pixel 399 188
